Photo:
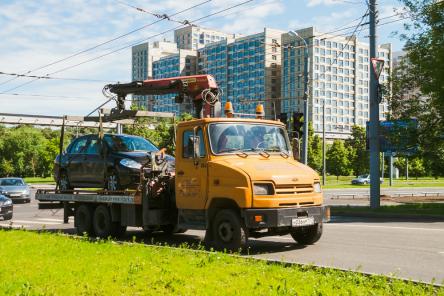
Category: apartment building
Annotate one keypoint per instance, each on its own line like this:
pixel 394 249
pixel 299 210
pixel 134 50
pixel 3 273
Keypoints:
pixel 339 74
pixel 193 37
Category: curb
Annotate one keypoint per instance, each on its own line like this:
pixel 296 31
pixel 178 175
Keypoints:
pixel 431 218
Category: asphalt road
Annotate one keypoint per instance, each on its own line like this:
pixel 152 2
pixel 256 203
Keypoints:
pixel 406 249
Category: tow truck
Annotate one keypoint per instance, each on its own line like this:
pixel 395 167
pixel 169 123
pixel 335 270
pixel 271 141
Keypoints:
pixel 234 176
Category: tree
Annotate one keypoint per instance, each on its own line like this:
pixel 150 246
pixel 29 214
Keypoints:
pixel 417 84
pixel 314 150
pixel 416 166
pixel 359 156
pixel 338 162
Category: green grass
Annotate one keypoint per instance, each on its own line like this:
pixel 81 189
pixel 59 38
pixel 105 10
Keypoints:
pixel 40 264
pixel 423 209
pixel 345 182
pixel 39 180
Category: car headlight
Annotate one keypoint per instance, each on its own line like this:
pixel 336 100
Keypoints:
pixel 129 163
pixel 317 187
pixel 263 189
pixel 7 203
pixel 25 193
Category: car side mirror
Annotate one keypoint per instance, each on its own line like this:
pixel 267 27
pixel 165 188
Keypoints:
pixel 196 146
pixel 296 148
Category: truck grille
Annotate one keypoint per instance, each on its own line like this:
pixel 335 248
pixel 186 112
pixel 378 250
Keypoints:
pixel 294 189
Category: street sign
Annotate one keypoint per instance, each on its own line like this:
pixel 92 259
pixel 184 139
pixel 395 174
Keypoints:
pixel 378 65
pixel 397 137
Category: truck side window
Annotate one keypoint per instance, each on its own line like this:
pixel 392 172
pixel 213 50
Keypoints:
pixel 187 143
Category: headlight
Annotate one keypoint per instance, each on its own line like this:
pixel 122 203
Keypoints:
pixel 7 203
pixel 129 163
pixel 317 187
pixel 263 189
pixel 25 193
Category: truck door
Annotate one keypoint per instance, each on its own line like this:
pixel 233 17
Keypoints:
pixel 191 173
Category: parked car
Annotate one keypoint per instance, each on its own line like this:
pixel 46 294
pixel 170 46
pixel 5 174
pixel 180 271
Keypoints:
pixel 6 207
pixel 113 163
pixel 15 189
pixel 363 179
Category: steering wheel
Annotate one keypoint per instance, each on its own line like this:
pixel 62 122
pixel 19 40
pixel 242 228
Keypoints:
pixel 259 144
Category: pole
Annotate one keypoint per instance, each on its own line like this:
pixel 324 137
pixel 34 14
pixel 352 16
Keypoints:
pixel 324 169
pixel 391 170
pixel 382 165
pixel 406 168
pixel 375 188
pixel 306 61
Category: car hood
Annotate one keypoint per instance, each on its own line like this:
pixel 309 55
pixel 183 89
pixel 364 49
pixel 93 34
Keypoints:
pixel 14 188
pixel 3 198
pixel 275 168
pixel 140 156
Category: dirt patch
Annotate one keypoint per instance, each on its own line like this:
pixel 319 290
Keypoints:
pixel 412 199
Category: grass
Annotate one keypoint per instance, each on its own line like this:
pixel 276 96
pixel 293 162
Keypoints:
pixel 39 180
pixel 345 182
pixel 423 209
pixel 40 264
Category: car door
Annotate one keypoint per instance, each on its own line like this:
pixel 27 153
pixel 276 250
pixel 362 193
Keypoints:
pixel 75 158
pixel 191 174
pixel 94 163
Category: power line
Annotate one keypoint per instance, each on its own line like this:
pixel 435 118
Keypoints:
pixel 122 48
pixel 52 78
pixel 43 96
pixel 105 42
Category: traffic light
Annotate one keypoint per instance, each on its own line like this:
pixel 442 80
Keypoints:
pixel 298 124
pixel 283 118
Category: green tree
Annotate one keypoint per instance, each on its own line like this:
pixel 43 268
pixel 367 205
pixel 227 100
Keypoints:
pixel 359 156
pixel 6 168
pixel 338 162
pixel 314 150
pixel 417 83
pixel 416 166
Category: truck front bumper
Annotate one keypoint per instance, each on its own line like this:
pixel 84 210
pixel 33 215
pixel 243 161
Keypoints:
pixel 283 217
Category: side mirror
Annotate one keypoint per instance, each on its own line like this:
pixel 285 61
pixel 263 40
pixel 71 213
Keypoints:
pixel 196 146
pixel 296 148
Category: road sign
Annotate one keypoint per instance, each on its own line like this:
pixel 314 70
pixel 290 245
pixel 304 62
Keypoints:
pixel 378 65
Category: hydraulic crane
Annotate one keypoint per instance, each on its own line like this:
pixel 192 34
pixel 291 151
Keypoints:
pixel 202 89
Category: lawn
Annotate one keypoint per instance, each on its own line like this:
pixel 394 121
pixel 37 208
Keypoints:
pixel 420 209
pixel 40 264
pixel 39 180
pixel 333 182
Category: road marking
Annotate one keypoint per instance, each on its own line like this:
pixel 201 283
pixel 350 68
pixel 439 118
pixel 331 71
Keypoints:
pixel 35 222
pixel 7 225
pixel 383 226
pixel 50 220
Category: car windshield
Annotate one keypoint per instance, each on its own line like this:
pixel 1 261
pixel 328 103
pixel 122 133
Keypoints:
pixel 232 138
pixel 11 182
pixel 129 143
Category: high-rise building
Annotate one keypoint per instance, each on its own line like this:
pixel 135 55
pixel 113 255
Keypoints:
pixel 247 69
pixel 193 37
pixel 339 78
pixel 183 63
pixel 143 56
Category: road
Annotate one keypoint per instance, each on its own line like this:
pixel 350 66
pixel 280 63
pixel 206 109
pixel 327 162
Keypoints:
pixel 409 249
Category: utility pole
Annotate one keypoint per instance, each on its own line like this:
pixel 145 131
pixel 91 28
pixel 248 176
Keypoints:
pixel 324 169
pixel 375 189
pixel 306 61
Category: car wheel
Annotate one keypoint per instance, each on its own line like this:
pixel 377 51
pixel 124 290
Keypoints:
pixel 63 182
pixel 112 181
pixel 102 223
pixel 228 232
pixel 83 220
pixel 7 217
pixel 307 235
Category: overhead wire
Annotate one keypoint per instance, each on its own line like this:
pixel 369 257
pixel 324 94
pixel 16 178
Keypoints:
pixel 52 78
pixel 106 42
pixel 136 43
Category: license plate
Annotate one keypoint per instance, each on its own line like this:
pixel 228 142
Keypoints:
pixel 15 195
pixel 296 222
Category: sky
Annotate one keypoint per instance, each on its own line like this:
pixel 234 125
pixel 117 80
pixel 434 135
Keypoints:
pixel 37 33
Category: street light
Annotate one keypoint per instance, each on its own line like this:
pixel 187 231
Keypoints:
pixel 306 61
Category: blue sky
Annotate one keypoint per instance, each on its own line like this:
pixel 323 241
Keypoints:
pixel 36 33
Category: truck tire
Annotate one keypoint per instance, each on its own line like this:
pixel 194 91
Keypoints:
pixel 83 220
pixel 307 235
pixel 227 231
pixel 118 230
pixel 102 223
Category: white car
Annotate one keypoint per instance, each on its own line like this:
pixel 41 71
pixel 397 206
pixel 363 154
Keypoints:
pixel 363 179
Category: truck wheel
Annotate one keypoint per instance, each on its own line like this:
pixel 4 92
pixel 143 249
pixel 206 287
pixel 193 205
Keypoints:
pixel 112 181
pixel 102 222
pixel 307 235
pixel 64 182
pixel 227 231
pixel 118 230
pixel 83 220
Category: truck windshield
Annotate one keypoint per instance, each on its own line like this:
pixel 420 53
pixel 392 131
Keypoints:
pixel 128 143
pixel 232 138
